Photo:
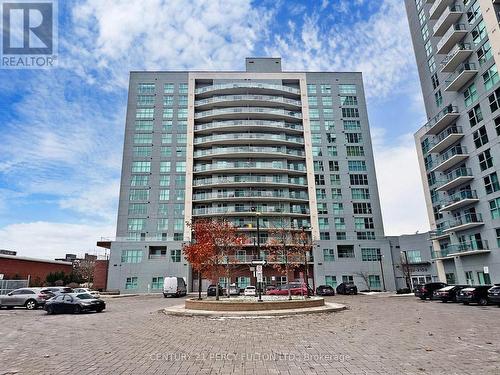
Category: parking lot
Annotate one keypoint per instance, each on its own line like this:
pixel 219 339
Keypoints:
pixel 377 335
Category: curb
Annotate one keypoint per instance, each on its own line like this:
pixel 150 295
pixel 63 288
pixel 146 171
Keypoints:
pixel 119 295
pixel 179 310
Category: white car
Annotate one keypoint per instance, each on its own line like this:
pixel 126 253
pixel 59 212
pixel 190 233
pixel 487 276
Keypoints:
pixel 93 293
pixel 250 291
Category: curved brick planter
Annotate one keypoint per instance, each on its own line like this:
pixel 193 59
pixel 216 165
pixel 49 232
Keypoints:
pixel 236 305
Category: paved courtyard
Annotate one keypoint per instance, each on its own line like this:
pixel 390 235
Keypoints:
pixel 377 335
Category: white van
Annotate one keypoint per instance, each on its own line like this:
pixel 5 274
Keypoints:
pixel 174 286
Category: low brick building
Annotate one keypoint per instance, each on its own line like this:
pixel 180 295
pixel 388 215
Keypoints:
pixel 15 267
pixel 100 274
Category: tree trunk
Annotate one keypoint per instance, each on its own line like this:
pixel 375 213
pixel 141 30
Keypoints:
pixel 199 285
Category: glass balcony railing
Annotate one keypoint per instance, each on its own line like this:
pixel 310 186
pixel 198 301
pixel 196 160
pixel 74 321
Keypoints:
pixel 439 118
pixel 469 218
pixel 439 162
pixel 462 75
pixel 454 34
pixel 249 136
pixel 263 110
pixel 251 194
pixel 247 123
pixel 448 131
pixel 247 165
pixel 249 210
pixel 268 86
pixel 461 248
pixel 244 258
pixel 451 14
pixel 459 196
pixel 458 48
pixel 232 98
pixel 249 149
pixel 249 179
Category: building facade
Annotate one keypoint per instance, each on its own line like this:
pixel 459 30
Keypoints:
pixel 261 148
pixel 457 49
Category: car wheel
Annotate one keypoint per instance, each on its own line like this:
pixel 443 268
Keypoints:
pixel 77 309
pixel 50 310
pixel 30 304
pixel 164 295
pixel 483 302
pixel 444 301
pixel 422 298
pixel 466 303
pixel 98 310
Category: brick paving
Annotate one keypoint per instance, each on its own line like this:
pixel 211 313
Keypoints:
pixel 377 335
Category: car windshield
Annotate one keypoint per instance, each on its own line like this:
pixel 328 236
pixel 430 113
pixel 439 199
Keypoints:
pixel 85 296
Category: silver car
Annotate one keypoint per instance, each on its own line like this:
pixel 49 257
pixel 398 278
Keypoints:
pixel 31 298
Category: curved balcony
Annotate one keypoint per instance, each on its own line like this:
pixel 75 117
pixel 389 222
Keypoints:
pixel 247 211
pixel 459 200
pixel 456 178
pixel 243 138
pixel 235 181
pixel 253 194
pixel 238 125
pixel 246 87
pixel 242 100
pixel 249 167
pixel 244 112
pixel 250 151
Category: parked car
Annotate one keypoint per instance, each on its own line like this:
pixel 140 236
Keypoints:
pixel 494 294
pixel 174 286
pixel 347 288
pixel 31 298
pixel 250 291
pixel 296 289
pixel 325 290
pixel 74 303
pixel 270 287
pixel 234 290
pixel 212 290
pixel 427 290
pixel 57 290
pixel 448 293
pixel 93 293
pixel 474 294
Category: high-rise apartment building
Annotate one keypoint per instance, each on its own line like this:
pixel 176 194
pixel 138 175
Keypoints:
pixel 286 149
pixel 457 48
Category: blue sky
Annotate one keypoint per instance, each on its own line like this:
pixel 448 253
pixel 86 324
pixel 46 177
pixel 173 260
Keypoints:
pixel 62 129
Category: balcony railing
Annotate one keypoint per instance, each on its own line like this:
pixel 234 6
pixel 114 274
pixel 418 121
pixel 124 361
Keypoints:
pixel 446 161
pixel 451 14
pixel 457 249
pixel 248 149
pixel 455 178
pixel 248 123
pixel 288 89
pixel 248 136
pixel 462 75
pixel 233 98
pixel 454 35
pixel 459 199
pixel 249 179
pixel 249 165
pixel 249 210
pixel 442 119
pixel 250 194
pixel 463 222
pixel 263 110
pixel 438 7
pixel 247 259
pixel 457 55
pixel 445 139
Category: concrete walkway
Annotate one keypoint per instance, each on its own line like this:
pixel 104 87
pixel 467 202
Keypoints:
pixel 180 310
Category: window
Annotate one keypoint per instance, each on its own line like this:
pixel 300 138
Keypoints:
pixel 143 125
pixel 484 53
pixel 346 89
pixel 178 225
pixel 473 13
pixel 339 223
pixel 168 88
pixel 334 179
pixel 131 283
pixel 182 113
pixel 139 195
pixel 345 251
pixel 475 115
pixel 425 32
pixel 435 81
pixel 494 100
pixel 370 255
pixel 480 137
pixel 324 236
pixel 333 166
pixel 163 209
pixel 165 166
pixel 328 113
pixel 331 281
pixel 361 223
pixel 311 89
pixel 328 255
pixel 183 100
pixel 414 256
pixel 497 125
pixel 166 125
pixel 355 151
pixel 327 101
pixel 146 88
pixel 162 225
pixel 438 97
pixel 243 281
pixel 164 194
pixel 318 166
pixel 421 17
pixel 323 223
pixel 144 113
pixel 478 33
pixel 431 63
pixel 168 100
pixel 326 89
pixel 349 100
pixel 352 125
pixel 314 113
pixel 336 194
pixel 485 160
pixel 470 95
pixel 362 208
pixel 354 138
pixel 357 166
pixel 145 100
pixel 312 100
pixel 168 112
pixel 180 166
pixel 138 209
pixel 136 224
pixel 341 236
pixel 316 151
pixel 319 179
pixel 490 77
pixel 141 166
pixel 179 209
pixel 365 235
pixel 322 208
pixel 175 255
pixel 358 179
pixel 350 112
pixel 498 236
pixel 157 283
pixel 131 256
pixel 143 138
pixel 180 180
pixel 320 194
pixel 166 151
pixel 315 126
pixel 469 278
pixel 428 48
pixel 183 88
pixel 491 183
pixel 166 138
pixel 142 151
pixel 450 278
pixel 374 281
pixel 181 138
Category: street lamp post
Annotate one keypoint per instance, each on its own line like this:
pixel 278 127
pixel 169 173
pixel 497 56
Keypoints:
pixel 259 283
pixel 306 266
pixel 380 256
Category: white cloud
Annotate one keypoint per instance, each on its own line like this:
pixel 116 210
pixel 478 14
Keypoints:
pixel 400 185
pixel 50 240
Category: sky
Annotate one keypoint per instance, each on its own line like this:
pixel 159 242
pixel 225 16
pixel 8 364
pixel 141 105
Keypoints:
pixel 61 129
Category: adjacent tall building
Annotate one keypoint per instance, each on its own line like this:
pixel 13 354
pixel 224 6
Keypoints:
pixel 262 148
pixel 457 48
